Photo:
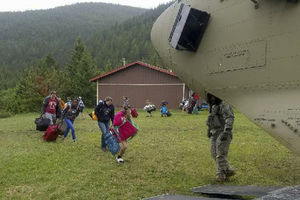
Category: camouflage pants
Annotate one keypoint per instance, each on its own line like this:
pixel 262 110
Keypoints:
pixel 219 151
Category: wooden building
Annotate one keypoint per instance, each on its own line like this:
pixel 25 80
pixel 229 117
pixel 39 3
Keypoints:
pixel 141 81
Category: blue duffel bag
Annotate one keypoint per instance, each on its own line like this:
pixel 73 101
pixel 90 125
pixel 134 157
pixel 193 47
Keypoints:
pixel 112 143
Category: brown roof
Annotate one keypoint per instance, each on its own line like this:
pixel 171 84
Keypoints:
pixel 132 64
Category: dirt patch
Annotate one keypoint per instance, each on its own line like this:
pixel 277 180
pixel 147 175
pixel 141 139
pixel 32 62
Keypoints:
pixel 19 190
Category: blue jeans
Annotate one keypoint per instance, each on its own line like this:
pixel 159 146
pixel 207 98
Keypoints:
pixel 70 126
pixel 104 127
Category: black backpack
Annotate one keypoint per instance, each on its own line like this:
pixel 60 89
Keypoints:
pixel 42 123
pixel 168 114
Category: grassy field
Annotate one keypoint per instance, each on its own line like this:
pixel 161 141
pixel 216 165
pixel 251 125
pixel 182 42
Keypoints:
pixel 169 155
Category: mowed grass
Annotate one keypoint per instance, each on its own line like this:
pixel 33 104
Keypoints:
pixel 169 155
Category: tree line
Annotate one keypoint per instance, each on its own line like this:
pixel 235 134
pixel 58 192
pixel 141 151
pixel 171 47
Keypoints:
pixel 36 82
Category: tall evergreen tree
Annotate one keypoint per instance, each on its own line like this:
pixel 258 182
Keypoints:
pixel 79 71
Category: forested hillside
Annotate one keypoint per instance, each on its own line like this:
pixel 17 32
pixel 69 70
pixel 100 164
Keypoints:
pixel 129 40
pixel 26 37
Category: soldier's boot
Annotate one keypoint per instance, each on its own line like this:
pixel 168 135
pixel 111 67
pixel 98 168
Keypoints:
pixel 221 177
pixel 230 172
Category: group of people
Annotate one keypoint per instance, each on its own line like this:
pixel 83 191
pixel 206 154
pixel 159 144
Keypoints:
pixel 150 107
pixel 191 105
pixel 220 125
pixel 54 108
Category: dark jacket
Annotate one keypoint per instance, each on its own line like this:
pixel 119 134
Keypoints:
pixel 70 112
pixel 104 112
pixel 45 104
pixel 221 117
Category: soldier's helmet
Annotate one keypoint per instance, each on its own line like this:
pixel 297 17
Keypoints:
pixel 212 99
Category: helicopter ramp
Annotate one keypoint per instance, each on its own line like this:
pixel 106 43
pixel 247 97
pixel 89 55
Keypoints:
pixel 227 192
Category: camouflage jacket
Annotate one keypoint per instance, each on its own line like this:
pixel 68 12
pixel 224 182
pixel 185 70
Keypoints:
pixel 221 117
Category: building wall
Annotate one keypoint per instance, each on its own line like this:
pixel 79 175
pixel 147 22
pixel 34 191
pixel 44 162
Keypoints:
pixel 140 74
pixel 139 84
pixel 139 94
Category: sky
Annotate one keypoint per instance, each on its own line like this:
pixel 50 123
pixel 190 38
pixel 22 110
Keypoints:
pixel 23 5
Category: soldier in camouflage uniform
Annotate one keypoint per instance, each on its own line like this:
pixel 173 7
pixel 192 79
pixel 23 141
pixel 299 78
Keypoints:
pixel 220 126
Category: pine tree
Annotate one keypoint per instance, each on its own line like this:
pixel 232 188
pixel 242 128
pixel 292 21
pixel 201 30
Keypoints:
pixel 35 85
pixel 79 71
pixel 30 91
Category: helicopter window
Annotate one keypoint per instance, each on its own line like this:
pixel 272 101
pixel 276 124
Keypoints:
pixel 189 28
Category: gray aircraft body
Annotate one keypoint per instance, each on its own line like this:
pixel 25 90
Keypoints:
pixel 248 55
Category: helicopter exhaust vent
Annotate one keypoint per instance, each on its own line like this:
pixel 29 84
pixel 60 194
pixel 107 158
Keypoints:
pixel 188 29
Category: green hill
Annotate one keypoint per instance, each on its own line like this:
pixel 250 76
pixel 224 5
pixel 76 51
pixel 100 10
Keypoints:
pixel 26 37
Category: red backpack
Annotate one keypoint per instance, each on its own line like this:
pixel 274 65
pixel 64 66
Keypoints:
pixel 134 113
pixel 52 132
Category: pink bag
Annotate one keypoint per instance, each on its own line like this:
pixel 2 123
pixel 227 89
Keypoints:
pixel 124 132
pixel 125 129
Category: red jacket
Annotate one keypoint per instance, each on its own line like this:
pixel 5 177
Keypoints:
pixel 196 96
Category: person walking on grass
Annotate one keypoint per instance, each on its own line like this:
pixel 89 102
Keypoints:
pixel 51 108
pixel 69 115
pixel 81 106
pixel 125 129
pixel 149 107
pixel 220 128
pixel 105 111
pixel 126 101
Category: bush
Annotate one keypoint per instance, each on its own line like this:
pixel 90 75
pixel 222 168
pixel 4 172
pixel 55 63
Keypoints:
pixel 8 101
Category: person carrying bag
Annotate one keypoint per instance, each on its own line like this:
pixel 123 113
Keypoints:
pixel 105 113
pixel 123 129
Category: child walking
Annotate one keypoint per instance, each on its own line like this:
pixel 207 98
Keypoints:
pixel 126 129
pixel 69 115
